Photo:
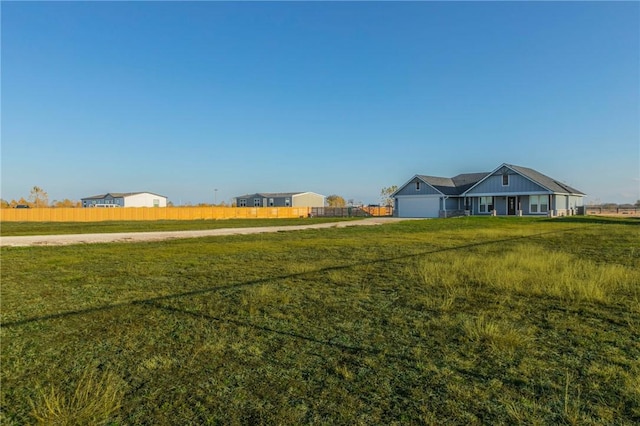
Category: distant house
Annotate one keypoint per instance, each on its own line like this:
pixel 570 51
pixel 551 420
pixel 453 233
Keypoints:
pixel 280 199
pixel 508 190
pixel 128 199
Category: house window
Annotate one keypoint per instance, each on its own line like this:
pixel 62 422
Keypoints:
pixel 156 202
pixel 505 180
pixel 242 202
pixel 538 203
pixel 287 202
pixel 486 204
pixel 270 202
pixel 418 186
pixel 256 202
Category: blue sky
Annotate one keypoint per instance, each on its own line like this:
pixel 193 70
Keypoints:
pixel 340 98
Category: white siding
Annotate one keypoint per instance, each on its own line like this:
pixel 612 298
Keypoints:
pixel 145 199
pixel 307 199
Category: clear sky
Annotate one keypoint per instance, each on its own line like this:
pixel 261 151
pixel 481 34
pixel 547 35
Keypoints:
pixel 340 98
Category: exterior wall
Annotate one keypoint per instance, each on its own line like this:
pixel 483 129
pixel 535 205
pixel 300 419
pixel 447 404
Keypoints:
pixel 145 199
pixel 517 184
pixel 249 200
pixel 451 204
pixel 108 200
pixel 410 189
pixel 522 203
pixel 304 199
pixel 308 199
pixel 566 205
pixel 276 202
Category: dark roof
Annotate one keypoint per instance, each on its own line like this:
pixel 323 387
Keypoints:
pixel 455 185
pixel 549 183
pixel 272 194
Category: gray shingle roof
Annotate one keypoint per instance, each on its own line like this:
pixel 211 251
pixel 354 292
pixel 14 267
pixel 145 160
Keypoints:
pixel 271 194
pixel 455 185
pixel 544 180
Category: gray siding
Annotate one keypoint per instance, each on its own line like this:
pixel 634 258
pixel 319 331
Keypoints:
pixel 517 184
pixel 451 204
pixel 410 189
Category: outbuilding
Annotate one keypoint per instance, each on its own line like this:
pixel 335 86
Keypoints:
pixel 125 199
pixel 280 199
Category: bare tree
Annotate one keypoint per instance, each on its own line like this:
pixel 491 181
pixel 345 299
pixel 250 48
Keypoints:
pixel 385 195
pixel 39 197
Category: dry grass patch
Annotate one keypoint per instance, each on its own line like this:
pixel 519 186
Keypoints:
pixel 500 336
pixel 530 270
pixel 95 399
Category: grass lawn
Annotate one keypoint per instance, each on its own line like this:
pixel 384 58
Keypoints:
pixel 57 228
pixel 458 321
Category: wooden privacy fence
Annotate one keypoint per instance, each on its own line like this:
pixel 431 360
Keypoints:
pixel 149 213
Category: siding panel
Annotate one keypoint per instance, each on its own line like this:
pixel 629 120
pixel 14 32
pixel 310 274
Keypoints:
pixel 517 184
pixel 410 189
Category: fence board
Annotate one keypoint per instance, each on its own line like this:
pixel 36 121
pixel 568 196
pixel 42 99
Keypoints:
pixel 148 213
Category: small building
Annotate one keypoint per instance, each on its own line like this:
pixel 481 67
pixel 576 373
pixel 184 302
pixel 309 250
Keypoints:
pixel 128 199
pixel 280 199
pixel 506 191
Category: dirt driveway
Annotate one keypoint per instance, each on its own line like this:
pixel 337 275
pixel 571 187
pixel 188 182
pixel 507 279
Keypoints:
pixel 62 240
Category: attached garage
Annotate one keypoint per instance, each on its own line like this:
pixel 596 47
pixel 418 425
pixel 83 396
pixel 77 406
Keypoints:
pixel 418 206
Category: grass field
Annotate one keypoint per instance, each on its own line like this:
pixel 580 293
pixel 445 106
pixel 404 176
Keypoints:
pixel 458 321
pixel 57 228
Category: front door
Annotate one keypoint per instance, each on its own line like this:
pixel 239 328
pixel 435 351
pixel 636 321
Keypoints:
pixel 511 206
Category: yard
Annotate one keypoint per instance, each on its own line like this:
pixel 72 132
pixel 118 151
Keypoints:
pixel 460 321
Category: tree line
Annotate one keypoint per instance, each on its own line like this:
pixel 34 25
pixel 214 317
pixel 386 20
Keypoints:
pixel 38 198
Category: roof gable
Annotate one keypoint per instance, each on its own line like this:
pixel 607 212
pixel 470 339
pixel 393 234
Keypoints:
pixel 422 178
pixel 447 186
pixel 534 176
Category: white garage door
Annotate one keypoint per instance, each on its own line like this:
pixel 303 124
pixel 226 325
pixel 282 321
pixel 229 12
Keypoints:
pixel 419 206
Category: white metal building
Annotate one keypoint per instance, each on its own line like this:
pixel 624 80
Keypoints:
pixel 128 199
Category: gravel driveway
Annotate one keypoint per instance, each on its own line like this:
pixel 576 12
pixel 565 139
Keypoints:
pixel 61 240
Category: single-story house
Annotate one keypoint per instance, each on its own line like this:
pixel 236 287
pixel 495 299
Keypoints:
pixel 280 199
pixel 128 199
pixel 506 191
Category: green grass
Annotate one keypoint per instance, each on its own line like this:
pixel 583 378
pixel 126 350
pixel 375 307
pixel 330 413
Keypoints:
pixel 458 321
pixel 57 228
